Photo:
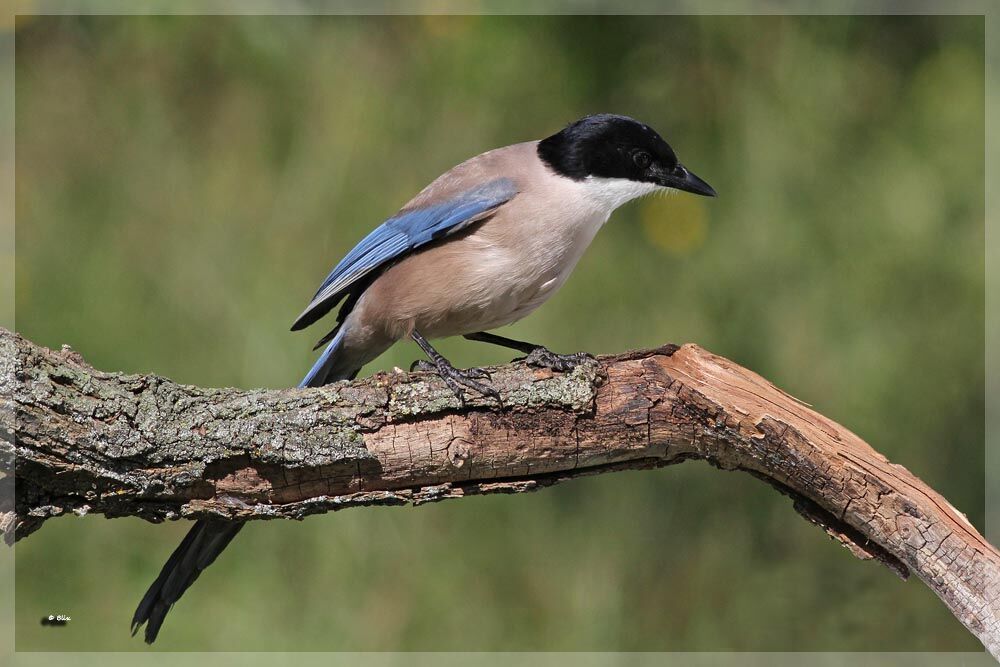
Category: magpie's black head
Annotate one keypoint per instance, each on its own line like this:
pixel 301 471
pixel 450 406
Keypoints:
pixel 610 146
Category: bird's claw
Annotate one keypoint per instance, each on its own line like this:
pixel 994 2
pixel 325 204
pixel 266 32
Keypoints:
pixel 459 380
pixel 423 366
pixel 541 357
pixel 477 373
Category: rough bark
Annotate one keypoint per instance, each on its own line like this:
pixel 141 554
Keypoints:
pixel 83 440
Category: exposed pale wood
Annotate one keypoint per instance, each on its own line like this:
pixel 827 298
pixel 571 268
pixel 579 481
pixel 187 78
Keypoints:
pixel 141 445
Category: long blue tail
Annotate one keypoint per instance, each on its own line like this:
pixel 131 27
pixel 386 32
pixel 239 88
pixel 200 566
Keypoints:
pixel 200 546
pixel 328 368
pixel 208 537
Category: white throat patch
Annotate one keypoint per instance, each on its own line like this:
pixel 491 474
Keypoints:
pixel 610 193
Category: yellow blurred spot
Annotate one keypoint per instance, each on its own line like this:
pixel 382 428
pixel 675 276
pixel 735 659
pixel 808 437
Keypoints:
pixel 676 223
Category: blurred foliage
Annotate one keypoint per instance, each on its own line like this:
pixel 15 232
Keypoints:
pixel 184 183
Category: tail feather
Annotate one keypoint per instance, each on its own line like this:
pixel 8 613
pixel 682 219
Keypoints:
pixel 330 367
pixel 209 537
pixel 203 543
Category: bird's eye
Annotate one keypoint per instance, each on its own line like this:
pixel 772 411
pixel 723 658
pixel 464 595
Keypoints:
pixel 641 159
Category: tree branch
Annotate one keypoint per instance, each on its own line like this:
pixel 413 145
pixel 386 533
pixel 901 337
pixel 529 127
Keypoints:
pixel 141 445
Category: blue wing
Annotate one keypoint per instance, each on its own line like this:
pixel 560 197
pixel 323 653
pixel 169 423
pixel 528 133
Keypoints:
pixel 401 234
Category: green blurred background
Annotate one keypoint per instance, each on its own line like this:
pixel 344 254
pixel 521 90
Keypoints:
pixel 184 183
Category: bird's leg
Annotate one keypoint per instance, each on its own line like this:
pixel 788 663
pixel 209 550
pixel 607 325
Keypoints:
pixel 453 377
pixel 537 355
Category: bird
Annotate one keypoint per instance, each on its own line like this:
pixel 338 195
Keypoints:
pixel 482 246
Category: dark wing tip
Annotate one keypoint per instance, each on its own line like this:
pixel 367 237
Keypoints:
pixel 307 317
pixel 316 309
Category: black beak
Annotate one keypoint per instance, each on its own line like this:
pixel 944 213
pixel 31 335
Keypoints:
pixel 682 179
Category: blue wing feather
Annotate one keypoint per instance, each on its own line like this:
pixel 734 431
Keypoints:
pixel 401 234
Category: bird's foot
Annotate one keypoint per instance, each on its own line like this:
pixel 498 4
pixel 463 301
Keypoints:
pixel 541 357
pixel 459 380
